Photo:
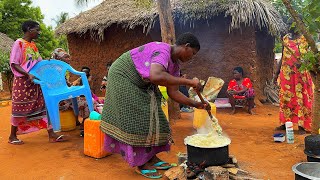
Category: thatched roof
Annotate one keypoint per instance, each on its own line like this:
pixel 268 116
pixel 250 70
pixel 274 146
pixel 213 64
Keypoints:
pixel 5 42
pixel 129 15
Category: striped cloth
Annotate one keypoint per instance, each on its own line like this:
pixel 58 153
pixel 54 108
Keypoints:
pixel 132 113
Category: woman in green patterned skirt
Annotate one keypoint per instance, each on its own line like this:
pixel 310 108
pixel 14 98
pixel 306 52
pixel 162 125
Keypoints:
pixel 132 118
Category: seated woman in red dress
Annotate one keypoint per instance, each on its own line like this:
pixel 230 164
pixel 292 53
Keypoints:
pixel 240 91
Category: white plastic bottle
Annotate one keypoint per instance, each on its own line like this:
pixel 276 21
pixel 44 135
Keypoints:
pixel 289 132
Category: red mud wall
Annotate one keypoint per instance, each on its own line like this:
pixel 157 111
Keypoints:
pixel 221 51
pixel 95 55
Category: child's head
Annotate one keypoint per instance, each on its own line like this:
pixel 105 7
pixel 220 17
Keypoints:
pixel 108 65
pixel 86 70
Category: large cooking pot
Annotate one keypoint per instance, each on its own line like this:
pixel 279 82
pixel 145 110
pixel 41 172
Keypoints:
pixel 312 148
pixel 306 171
pixel 214 156
pixel 312 144
pixel 210 156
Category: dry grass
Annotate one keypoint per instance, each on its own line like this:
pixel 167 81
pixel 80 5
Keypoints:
pixel 128 14
pixel 5 42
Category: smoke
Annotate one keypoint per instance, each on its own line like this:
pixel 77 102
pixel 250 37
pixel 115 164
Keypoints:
pixel 208 127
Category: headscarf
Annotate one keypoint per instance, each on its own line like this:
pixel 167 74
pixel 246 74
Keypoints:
pixel 58 53
pixel 239 69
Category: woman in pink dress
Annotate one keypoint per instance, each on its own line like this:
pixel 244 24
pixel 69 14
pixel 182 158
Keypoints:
pixel 28 107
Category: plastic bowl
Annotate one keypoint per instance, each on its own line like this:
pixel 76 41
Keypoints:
pixel 4 103
pixel 279 137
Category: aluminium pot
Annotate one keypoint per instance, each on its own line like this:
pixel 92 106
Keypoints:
pixel 307 171
pixel 210 156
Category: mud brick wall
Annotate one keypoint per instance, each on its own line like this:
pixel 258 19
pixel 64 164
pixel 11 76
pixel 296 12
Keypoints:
pixel 221 51
pixel 95 55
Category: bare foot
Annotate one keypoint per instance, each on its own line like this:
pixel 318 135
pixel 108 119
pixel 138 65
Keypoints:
pixel 250 112
pixel 53 137
pixel 233 111
pixel 302 130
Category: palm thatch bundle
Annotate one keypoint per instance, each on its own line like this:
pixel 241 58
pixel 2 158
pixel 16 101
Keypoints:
pixel 129 14
pixel 5 42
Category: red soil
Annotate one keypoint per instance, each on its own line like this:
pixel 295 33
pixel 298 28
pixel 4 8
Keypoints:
pixel 251 136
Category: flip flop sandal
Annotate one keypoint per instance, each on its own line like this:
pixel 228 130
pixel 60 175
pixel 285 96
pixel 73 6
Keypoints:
pixel 16 142
pixel 82 133
pixel 159 166
pixel 59 139
pixel 148 173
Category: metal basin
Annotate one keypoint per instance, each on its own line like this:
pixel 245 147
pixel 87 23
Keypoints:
pixel 307 170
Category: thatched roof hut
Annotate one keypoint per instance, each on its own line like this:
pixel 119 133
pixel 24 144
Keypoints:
pixel 129 14
pixel 231 33
pixel 5 42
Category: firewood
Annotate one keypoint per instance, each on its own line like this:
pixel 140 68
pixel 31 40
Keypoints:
pixel 216 172
pixel 175 173
pixel 228 166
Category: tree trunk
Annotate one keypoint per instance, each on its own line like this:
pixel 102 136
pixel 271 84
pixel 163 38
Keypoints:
pixel 168 36
pixel 315 75
pixel 302 28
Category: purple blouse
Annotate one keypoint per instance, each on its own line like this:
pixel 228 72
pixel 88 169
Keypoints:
pixel 154 52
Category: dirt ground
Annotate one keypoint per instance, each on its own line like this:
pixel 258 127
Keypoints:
pixel 252 144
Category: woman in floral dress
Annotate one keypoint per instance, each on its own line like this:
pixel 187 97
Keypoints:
pixel 296 92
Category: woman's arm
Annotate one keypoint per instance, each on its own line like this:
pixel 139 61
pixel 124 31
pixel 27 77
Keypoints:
pixel 176 95
pixel 278 68
pixel 159 76
pixel 19 69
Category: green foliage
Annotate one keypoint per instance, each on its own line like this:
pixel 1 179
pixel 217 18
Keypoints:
pixel 15 12
pixel 309 11
pixel 277 47
pixel 4 61
pixel 63 17
pixel 46 43
pixel 144 3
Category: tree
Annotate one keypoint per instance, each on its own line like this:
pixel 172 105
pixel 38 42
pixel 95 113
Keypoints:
pixel 5 68
pixel 62 40
pixel 15 12
pixel 311 11
pixel 63 17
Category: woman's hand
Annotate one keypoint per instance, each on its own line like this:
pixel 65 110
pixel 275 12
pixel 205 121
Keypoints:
pixel 31 77
pixel 195 83
pixel 200 105
pixel 232 92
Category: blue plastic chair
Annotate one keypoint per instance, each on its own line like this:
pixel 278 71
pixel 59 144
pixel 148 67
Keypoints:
pixel 51 75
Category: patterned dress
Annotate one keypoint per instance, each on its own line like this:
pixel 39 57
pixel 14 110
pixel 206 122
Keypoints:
pixel 240 99
pixel 296 92
pixel 28 107
pixel 132 118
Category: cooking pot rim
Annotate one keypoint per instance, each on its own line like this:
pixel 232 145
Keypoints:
pixel 227 144
pixel 310 154
pixel 210 147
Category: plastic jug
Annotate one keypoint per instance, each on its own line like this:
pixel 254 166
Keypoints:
pixel 165 110
pixel 200 116
pixel 289 132
pixel 94 139
pixel 67 120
